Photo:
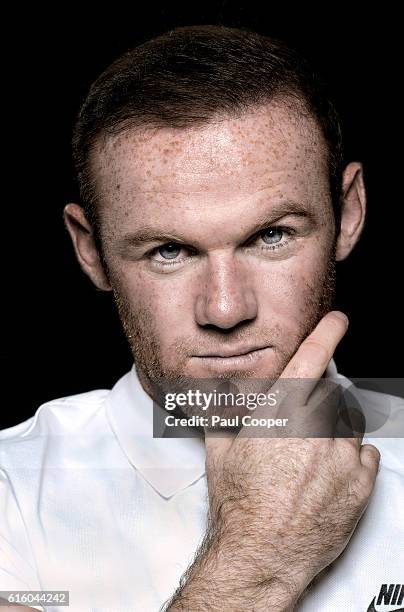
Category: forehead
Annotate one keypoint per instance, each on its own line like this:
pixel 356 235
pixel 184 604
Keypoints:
pixel 275 148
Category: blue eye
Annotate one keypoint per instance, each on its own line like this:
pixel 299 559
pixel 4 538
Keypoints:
pixel 272 235
pixel 169 250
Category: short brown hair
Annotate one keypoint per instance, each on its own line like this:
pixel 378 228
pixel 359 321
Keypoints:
pixel 188 75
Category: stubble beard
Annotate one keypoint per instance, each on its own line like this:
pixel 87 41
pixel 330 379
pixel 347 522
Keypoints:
pixel 145 347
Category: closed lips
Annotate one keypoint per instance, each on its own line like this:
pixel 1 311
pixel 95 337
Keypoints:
pixel 234 353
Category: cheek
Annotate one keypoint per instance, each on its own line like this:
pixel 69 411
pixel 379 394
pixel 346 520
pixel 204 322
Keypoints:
pixel 171 310
pixel 291 290
pixel 166 305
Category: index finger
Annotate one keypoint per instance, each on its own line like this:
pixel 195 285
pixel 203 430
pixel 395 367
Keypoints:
pixel 316 351
pixel 308 364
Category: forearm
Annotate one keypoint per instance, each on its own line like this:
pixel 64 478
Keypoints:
pixel 222 578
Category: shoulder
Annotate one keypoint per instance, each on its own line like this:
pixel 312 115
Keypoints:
pixel 64 415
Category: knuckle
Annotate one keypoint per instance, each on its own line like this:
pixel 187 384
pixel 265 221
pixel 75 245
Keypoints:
pixel 362 486
pixel 314 351
pixel 349 451
pixel 367 482
pixel 371 455
pixel 374 453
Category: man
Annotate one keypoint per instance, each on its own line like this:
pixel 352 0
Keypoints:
pixel 215 204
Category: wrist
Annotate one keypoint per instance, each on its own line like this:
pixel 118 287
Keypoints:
pixel 265 564
pixel 224 576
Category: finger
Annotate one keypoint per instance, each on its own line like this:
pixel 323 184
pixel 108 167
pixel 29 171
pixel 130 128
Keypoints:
pixel 317 418
pixel 312 357
pixel 316 351
pixel 304 370
pixel 351 425
pixel 370 458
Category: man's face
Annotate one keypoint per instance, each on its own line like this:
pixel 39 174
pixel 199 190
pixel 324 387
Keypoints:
pixel 218 241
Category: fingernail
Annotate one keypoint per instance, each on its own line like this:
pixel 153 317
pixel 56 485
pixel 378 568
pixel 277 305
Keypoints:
pixel 341 316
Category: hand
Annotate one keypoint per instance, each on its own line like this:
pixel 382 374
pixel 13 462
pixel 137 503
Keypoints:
pixel 282 509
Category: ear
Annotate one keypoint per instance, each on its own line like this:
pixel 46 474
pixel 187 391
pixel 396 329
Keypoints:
pixel 82 236
pixel 353 209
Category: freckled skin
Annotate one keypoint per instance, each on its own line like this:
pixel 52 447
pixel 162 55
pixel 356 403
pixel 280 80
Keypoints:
pixel 209 186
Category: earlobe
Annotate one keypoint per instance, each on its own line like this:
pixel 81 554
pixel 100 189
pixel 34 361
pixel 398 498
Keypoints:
pixel 353 209
pixel 82 236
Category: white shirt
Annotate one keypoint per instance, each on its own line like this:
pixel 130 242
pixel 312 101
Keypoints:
pixel 91 503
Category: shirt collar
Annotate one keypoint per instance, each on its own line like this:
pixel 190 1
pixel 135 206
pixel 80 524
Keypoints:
pixel 167 464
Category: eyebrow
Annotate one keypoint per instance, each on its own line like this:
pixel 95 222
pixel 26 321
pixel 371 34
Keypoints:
pixel 147 234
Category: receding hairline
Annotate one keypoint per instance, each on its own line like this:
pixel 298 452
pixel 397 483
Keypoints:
pixel 296 107
pixel 294 101
pixel 184 76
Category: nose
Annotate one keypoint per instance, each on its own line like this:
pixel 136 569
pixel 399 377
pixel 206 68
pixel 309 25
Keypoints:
pixel 226 296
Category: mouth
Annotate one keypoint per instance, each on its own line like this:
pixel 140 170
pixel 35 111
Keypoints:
pixel 228 360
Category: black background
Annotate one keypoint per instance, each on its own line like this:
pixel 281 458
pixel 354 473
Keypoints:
pixel 61 336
